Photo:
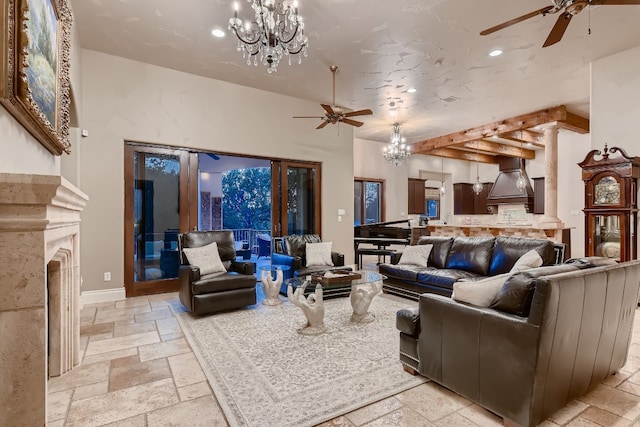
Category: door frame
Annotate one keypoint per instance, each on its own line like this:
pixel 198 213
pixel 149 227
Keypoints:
pixel 279 187
pixel 189 203
pixel 187 191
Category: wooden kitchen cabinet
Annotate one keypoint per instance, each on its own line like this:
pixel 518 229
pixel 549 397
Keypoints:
pixel 466 202
pixel 416 196
pixel 538 195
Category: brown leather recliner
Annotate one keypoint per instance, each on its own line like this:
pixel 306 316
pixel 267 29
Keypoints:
pixel 294 246
pixel 220 291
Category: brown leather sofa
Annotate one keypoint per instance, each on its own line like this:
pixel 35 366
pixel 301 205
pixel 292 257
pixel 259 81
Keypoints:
pixel 575 333
pixel 462 258
pixel 220 291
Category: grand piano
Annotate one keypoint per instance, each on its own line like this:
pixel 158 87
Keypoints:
pixel 378 237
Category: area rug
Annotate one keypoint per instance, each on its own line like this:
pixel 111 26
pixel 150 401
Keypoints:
pixel 264 373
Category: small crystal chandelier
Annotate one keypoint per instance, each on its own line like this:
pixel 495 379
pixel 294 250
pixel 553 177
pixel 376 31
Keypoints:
pixel 443 189
pixel 277 30
pixel 397 152
pixel 477 186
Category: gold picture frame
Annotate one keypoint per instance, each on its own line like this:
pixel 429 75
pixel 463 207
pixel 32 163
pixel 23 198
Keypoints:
pixel 34 72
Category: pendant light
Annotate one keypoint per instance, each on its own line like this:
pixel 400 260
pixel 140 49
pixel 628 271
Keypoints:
pixel 443 189
pixel 477 186
pixel 521 182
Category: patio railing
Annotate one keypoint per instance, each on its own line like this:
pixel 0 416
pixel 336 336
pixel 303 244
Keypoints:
pixel 249 235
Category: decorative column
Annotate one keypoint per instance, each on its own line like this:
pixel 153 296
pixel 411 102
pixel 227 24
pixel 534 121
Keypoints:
pixel 550 218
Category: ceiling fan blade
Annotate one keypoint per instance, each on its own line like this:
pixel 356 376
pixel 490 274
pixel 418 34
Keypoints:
pixel 308 117
pixel 328 108
pixel 558 29
pixel 542 11
pixel 323 124
pixel 352 122
pixel 358 113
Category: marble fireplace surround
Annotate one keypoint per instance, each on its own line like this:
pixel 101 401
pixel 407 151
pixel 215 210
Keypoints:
pixel 39 290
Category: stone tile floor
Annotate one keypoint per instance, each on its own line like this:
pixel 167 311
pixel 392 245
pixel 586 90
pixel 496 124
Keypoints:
pixel 138 370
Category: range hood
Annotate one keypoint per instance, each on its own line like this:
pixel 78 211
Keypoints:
pixel 505 191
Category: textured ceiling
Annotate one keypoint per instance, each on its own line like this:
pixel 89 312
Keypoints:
pixel 382 49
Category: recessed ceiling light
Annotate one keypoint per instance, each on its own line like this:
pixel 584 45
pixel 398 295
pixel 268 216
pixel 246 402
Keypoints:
pixel 411 90
pixel 217 33
pixel 495 52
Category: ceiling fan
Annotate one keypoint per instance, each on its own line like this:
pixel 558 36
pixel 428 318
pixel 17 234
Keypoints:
pixel 568 9
pixel 334 114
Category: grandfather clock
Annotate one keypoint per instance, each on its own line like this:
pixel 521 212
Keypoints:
pixel 610 203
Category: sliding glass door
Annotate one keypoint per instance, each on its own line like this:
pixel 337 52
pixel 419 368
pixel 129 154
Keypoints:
pixel 162 200
pixel 297 185
pixel 156 210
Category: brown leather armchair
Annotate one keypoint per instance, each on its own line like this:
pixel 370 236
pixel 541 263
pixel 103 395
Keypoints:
pixel 294 255
pixel 219 291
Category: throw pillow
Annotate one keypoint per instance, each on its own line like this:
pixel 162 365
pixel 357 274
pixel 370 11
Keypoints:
pixel 318 254
pixel 206 258
pixel 480 293
pixel 531 259
pixel 516 295
pixel 416 255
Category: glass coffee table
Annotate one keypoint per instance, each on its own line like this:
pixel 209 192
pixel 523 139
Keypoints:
pixel 307 294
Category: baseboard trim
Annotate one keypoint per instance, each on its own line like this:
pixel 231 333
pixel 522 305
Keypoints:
pixel 104 295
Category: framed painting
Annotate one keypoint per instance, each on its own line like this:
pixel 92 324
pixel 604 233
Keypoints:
pixel 34 72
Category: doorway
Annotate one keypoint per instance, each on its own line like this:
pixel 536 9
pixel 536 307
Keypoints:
pixel 172 190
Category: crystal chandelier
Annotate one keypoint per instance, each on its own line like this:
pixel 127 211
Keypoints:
pixel 397 152
pixel 276 30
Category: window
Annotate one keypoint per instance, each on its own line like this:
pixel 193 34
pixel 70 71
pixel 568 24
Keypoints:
pixel 368 201
pixel 432 202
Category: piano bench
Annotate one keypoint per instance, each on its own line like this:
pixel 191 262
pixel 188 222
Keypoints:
pixel 381 253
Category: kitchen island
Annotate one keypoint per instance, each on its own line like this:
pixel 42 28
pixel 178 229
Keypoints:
pixel 556 235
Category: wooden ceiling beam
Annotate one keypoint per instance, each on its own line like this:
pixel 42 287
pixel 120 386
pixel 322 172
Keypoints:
pixel 526 136
pixel 525 121
pixel 496 149
pixel 462 155
pixel 575 123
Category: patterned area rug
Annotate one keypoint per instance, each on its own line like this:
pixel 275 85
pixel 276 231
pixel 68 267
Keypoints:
pixel 264 373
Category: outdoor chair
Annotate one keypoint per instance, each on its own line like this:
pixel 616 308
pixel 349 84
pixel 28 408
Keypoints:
pixel 264 245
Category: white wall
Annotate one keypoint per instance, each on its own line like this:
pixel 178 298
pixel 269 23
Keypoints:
pixel 21 152
pixel 615 105
pixel 615 101
pixel 211 182
pixel 572 148
pixel 128 100
pixel 369 163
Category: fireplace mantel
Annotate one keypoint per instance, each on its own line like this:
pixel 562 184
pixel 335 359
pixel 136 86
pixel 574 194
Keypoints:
pixel 39 290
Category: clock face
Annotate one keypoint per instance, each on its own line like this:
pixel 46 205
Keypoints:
pixel 607 191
